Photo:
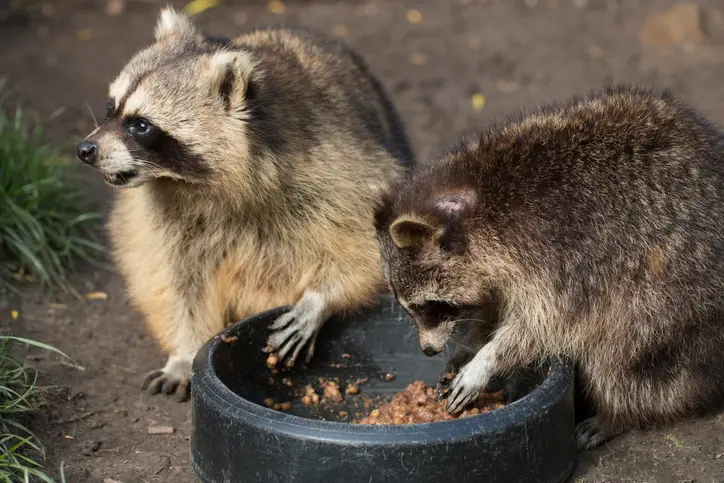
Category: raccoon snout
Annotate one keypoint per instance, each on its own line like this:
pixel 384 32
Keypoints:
pixel 429 351
pixel 88 152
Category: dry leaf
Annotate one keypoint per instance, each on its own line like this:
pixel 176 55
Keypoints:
pixel 96 296
pixel 84 34
pixel 159 430
pixel 414 16
pixel 198 6
pixel 14 314
pixel 478 101
pixel 276 6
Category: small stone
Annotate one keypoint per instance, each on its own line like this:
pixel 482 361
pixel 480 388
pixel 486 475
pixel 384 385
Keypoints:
pixel 418 58
pixel 240 18
pixel 475 44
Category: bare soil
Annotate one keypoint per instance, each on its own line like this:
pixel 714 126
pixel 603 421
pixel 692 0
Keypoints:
pixel 63 53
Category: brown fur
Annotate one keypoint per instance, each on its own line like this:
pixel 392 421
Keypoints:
pixel 257 187
pixel 595 226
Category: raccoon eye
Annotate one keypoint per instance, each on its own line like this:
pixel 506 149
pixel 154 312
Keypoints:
pixel 139 127
pixel 436 310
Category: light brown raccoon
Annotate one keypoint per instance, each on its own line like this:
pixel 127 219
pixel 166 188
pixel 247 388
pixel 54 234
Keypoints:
pixel 595 228
pixel 249 170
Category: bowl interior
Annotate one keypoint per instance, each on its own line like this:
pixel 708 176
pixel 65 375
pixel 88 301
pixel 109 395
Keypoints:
pixel 367 346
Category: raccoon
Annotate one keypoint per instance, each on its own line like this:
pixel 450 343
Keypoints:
pixel 247 171
pixel 593 226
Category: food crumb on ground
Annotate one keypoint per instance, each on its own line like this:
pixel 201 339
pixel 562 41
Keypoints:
pixel 389 376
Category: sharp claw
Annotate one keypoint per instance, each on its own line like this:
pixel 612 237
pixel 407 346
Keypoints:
pixel 150 377
pixel 183 391
pixel 169 386
pixel 155 386
pixel 279 339
pixel 290 361
pixel 310 349
pixel 282 321
pixel 290 343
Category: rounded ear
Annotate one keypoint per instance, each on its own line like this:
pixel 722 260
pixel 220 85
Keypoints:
pixel 412 232
pixel 231 75
pixel 172 23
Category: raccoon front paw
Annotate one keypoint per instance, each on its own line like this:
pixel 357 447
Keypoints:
pixel 592 433
pixel 452 367
pixel 297 328
pixel 465 388
pixel 173 379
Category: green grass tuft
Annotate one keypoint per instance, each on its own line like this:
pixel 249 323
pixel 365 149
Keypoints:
pixel 20 449
pixel 45 224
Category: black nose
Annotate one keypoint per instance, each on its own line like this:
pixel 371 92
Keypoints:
pixel 88 151
pixel 429 352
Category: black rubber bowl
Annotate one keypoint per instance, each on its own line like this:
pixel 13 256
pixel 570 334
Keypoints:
pixel 235 438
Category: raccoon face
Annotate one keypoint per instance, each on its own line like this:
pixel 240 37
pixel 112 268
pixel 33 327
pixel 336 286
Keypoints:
pixel 173 109
pixel 426 261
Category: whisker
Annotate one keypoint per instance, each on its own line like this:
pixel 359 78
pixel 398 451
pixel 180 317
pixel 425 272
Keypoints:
pixel 95 121
pixel 461 345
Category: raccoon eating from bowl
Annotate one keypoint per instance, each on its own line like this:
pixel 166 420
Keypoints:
pixel 589 229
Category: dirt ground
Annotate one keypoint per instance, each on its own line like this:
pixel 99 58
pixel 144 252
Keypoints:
pixel 62 54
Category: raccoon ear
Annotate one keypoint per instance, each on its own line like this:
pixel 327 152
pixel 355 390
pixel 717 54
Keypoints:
pixel 231 75
pixel 412 232
pixel 172 23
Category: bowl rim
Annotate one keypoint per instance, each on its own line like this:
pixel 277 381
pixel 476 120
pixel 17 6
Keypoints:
pixel 206 384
